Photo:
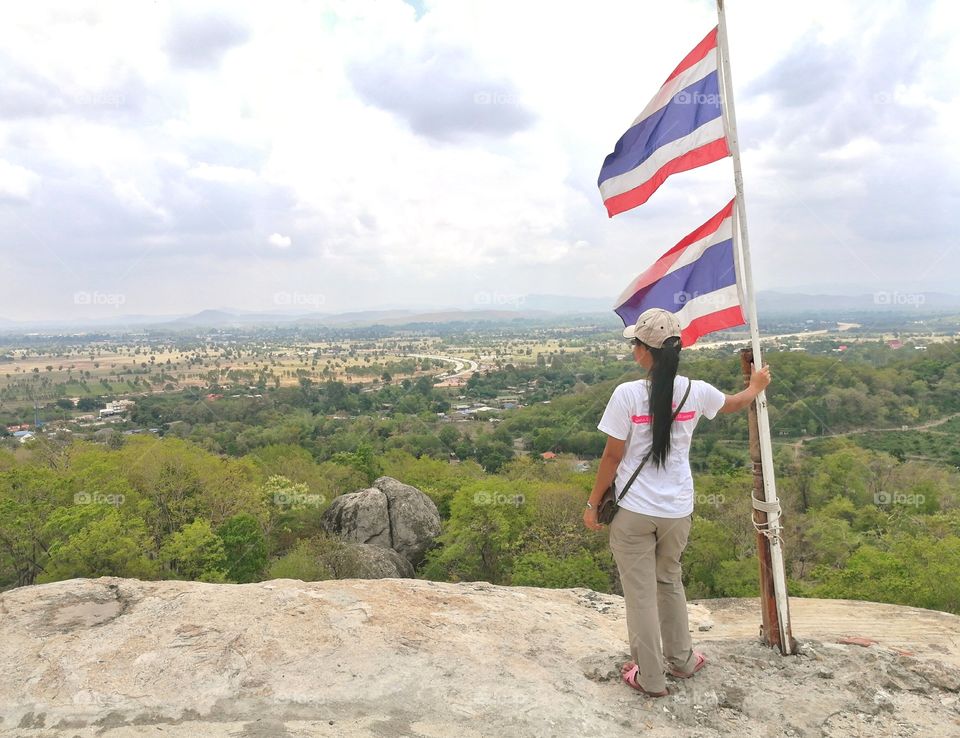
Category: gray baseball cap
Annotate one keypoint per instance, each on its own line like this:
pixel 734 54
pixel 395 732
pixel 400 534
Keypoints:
pixel 653 327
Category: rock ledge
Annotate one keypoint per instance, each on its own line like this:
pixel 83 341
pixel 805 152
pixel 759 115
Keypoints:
pixel 398 657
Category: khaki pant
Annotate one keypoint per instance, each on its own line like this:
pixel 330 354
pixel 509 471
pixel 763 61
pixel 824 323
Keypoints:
pixel 647 551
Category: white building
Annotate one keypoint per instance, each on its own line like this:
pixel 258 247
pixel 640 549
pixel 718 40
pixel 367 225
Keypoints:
pixel 116 408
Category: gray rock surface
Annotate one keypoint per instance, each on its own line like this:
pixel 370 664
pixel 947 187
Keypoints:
pixel 390 514
pixel 414 518
pixel 360 516
pixel 377 562
pixel 398 657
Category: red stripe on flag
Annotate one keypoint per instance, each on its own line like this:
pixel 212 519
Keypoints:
pixel 726 318
pixel 698 157
pixel 699 51
pixel 663 264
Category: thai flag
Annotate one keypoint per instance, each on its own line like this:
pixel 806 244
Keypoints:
pixel 680 129
pixel 696 280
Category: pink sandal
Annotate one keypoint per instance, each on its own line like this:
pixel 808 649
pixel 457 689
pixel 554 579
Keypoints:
pixel 629 676
pixel 701 661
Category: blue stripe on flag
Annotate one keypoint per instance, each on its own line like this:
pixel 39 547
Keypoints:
pixel 689 109
pixel 712 271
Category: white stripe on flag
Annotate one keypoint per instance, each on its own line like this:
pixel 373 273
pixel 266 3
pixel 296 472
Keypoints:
pixel 686 78
pixel 712 302
pixel 689 255
pixel 695 250
pixel 710 131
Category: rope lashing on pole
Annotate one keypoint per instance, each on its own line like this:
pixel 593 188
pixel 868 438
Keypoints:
pixel 771 529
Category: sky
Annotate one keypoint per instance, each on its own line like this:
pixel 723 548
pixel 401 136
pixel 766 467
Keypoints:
pixel 165 158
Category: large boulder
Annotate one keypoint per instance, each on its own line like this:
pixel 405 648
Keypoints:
pixel 414 518
pixel 390 514
pixel 377 562
pixel 352 560
pixel 360 516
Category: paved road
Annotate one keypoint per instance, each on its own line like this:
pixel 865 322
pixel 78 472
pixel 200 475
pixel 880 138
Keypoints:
pixel 922 426
pixel 461 367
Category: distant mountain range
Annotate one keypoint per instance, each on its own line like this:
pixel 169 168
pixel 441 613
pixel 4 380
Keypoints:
pixel 529 306
pixel 882 300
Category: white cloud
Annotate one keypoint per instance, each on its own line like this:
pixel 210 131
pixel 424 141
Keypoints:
pixel 189 132
pixel 16 182
pixel 281 242
pixel 218 173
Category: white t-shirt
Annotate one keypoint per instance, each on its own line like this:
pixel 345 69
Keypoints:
pixel 665 492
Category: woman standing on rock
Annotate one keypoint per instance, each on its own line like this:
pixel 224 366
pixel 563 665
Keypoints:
pixel 649 424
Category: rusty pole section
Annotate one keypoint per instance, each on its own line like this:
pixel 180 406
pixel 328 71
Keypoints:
pixel 770 628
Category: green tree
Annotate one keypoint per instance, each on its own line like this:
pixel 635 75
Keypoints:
pixel 363 459
pixel 319 558
pixel 916 570
pixel 710 544
pixel 195 552
pixel 107 545
pixel 539 569
pixel 487 520
pixel 295 512
pixel 738 578
pixel 245 548
pixel 492 454
pixel 831 539
pixel 301 562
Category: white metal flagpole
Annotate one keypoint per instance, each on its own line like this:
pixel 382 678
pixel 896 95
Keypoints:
pixel 774 527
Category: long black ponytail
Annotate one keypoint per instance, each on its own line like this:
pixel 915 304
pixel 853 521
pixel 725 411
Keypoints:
pixel 662 374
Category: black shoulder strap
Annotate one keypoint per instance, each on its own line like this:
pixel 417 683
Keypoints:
pixel 647 457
